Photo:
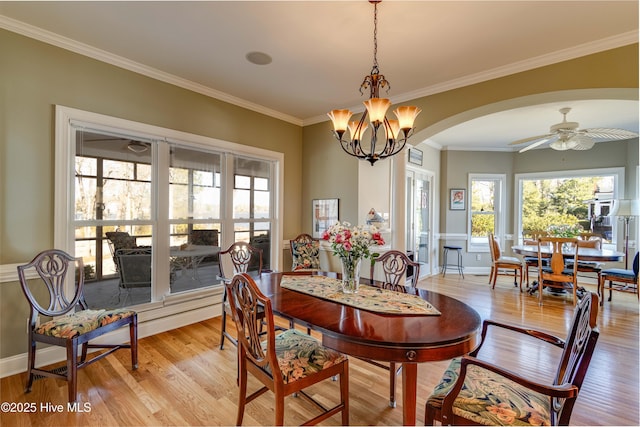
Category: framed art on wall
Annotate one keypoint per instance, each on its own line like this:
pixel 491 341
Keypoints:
pixel 325 214
pixel 457 199
pixel 415 156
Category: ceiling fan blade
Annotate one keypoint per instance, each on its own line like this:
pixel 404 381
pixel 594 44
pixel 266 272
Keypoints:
pixel 534 145
pixel 532 138
pixel 609 133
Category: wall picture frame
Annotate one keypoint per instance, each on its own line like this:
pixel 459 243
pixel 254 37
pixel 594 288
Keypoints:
pixel 457 199
pixel 415 156
pixel 325 213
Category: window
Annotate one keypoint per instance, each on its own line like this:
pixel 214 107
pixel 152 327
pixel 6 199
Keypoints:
pixel 145 207
pixel 486 210
pixel 582 197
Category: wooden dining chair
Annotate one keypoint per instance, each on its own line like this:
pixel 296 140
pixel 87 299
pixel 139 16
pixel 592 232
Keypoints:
pixel 476 392
pixel 620 275
pixel 500 263
pixel 241 255
pixel 589 240
pixel 286 363
pixel 557 275
pixel 73 324
pixel 395 265
pixel 530 238
pixel 305 252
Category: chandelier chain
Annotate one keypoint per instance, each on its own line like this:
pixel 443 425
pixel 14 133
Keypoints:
pixel 375 35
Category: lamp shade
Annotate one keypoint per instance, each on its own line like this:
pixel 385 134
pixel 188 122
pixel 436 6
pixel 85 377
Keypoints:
pixel 340 118
pixel 626 207
pixel 377 108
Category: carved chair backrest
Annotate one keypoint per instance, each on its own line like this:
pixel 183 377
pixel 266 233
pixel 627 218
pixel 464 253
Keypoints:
pixel 53 267
pixel 394 267
pixel 241 255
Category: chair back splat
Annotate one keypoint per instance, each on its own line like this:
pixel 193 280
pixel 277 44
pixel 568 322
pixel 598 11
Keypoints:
pixel 70 328
pixel 557 274
pixel 285 363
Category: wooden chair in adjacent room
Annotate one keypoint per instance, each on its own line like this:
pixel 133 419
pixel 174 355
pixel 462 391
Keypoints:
pixel 619 275
pixel 530 238
pixel 286 363
pixel 476 392
pixel 589 240
pixel 305 252
pixel 241 254
pixel 395 266
pixel 500 264
pixel 73 324
pixel 557 275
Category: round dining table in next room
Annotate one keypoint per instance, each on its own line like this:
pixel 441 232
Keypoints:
pixel 584 254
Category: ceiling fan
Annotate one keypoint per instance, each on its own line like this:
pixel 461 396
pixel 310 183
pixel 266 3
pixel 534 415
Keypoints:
pixel 566 136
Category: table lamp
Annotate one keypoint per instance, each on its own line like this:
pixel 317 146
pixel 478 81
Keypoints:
pixel 626 209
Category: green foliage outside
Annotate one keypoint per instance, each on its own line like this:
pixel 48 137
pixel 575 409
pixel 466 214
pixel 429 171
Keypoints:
pixel 556 202
pixel 482 224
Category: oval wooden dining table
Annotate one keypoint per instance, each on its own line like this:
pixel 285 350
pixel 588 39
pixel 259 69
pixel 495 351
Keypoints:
pixel 402 338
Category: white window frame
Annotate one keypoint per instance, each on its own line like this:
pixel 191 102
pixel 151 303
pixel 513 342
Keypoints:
pixel 499 212
pixel 618 190
pixel 68 120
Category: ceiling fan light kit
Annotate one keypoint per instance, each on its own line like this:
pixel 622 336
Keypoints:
pixel 396 132
pixel 567 136
pixel 137 147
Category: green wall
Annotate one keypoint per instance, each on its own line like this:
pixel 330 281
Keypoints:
pixel 34 77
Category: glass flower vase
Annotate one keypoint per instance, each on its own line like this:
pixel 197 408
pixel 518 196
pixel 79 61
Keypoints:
pixel 350 275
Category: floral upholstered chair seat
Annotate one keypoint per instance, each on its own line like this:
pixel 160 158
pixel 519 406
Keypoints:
pixel 300 355
pixel 489 399
pixel 306 255
pixel 81 322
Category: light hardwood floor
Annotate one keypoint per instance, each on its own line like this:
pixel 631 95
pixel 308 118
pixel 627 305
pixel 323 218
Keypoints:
pixel 184 379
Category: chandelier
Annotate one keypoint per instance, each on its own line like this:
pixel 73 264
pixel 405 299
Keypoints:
pixel 396 132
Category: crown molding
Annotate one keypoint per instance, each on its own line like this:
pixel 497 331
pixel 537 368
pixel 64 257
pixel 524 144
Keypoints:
pixel 608 43
pixel 121 62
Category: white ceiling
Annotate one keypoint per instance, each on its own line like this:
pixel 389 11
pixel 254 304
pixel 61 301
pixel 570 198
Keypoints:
pixel 322 50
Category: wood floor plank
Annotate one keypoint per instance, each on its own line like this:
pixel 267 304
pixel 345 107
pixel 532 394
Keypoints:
pixel 184 379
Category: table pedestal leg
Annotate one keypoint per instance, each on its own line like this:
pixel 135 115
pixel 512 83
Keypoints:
pixel 409 392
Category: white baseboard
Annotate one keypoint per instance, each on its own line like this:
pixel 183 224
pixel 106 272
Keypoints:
pixel 16 364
